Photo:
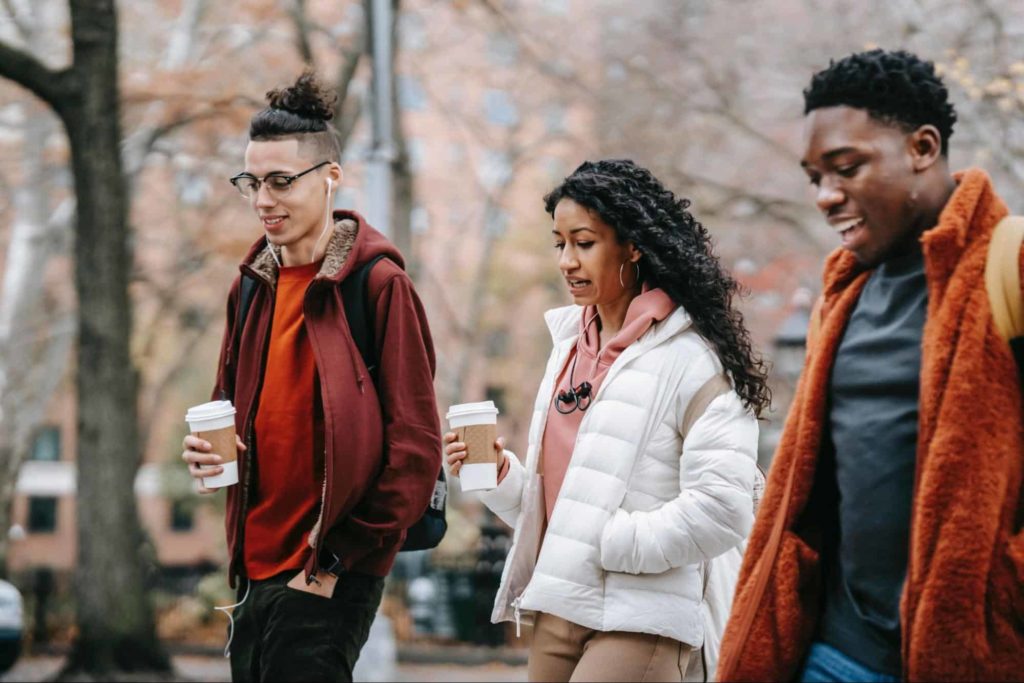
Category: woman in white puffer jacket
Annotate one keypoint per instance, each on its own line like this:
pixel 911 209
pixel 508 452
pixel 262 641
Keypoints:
pixel 636 497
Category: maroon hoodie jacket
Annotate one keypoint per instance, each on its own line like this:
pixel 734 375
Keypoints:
pixel 382 445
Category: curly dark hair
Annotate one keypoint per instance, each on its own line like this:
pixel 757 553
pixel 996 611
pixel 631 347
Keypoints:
pixel 676 255
pixel 301 111
pixel 897 88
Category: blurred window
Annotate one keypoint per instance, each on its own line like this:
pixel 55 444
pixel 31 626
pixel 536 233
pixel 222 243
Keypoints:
pixel 42 515
pixel 416 150
pixel 555 168
pixel 554 118
pixel 497 347
pixel 411 95
pixel 412 32
pixel 502 49
pixel 555 6
pixel 419 220
pixel 495 220
pixel 456 153
pixel 193 189
pixel 46 444
pixel 500 109
pixel 182 515
pixel 496 394
pixel 495 170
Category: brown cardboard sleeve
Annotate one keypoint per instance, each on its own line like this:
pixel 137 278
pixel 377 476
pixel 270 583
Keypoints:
pixel 223 442
pixel 479 440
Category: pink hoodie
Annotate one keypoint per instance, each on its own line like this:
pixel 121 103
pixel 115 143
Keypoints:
pixel 592 364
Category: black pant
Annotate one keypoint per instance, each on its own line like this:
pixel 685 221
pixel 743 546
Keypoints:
pixel 283 634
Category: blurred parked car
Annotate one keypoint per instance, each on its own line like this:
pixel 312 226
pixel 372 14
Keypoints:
pixel 12 625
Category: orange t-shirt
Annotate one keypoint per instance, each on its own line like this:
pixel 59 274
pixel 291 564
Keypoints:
pixel 287 492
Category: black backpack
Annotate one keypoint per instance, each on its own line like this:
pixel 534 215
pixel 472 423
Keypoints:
pixel 429 529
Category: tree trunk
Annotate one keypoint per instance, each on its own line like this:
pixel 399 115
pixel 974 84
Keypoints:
pixel 116 630
pixel 403 191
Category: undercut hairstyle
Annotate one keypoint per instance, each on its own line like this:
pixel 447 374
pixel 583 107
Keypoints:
pixel 896 88
pixel 677 256
pixel 302 112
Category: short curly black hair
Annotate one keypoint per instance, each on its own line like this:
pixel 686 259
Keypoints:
pixel 677 256
pixel 895 87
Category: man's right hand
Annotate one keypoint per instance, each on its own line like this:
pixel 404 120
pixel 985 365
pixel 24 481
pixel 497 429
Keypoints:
pixel 201 462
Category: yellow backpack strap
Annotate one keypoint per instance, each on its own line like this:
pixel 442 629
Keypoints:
pixel 1002 277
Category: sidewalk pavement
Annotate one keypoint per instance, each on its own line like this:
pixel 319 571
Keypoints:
pixel 215 669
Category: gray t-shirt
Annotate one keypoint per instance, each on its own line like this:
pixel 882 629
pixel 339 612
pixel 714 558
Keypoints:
pixel 873 421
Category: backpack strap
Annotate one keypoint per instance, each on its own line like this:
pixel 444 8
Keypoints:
pixel 698 405
pixel 359 314
pixel 1002 277
pixel 247 288
pixel 353 294
pixel 246 291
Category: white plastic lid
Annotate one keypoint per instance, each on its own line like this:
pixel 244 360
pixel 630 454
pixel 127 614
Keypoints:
pixel 213 410
pixel 483 407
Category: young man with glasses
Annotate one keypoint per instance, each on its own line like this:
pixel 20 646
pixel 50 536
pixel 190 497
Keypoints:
pixel 335 463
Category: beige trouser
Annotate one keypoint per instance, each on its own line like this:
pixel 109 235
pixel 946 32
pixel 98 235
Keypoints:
pixel 564 651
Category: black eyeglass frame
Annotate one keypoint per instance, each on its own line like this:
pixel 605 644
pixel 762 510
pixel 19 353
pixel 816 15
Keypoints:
pixel 259 181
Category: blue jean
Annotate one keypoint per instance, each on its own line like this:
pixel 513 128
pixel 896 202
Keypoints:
pixel 825 664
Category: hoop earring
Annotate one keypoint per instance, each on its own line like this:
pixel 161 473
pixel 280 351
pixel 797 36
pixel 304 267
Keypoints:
pixel 636 280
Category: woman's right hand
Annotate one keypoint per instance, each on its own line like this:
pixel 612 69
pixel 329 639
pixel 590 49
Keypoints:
pixel 455 453
pixel 202 462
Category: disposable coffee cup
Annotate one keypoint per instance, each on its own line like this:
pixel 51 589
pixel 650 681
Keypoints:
pixel 475 424
pixel 215 422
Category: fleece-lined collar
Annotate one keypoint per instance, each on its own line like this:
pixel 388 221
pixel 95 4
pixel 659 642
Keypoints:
pixel 339 246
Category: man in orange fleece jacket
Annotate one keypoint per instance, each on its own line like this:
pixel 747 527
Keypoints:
pixel 889 542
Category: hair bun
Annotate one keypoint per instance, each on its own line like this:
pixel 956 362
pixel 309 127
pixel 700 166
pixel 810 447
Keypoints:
pixel 306 98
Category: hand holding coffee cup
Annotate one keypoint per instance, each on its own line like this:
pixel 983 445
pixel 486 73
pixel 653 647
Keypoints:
pixel 475 429
pixel 455 452
pixel 203 462
pixel 211 450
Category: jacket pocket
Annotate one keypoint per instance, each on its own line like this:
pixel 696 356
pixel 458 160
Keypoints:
pixel 785 617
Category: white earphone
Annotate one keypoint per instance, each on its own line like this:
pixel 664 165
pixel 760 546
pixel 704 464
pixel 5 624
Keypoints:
pixel 327 218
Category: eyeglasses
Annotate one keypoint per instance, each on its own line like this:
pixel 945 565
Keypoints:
pixel 278 184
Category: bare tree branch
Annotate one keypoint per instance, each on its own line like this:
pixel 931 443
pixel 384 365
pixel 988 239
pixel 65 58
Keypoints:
pixel 141 143
pixel 524 38
pixel 181 45
pixel 53 87
pixel 297 12
pixel 351 107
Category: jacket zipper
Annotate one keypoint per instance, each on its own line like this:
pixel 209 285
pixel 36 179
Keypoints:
pixel 517 601
pixel 318 532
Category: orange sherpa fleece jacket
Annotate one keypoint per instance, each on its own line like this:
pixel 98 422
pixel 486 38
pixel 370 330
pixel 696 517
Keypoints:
pixel 962 611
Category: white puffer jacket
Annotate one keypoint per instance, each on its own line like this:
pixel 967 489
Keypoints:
pixel 642 511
